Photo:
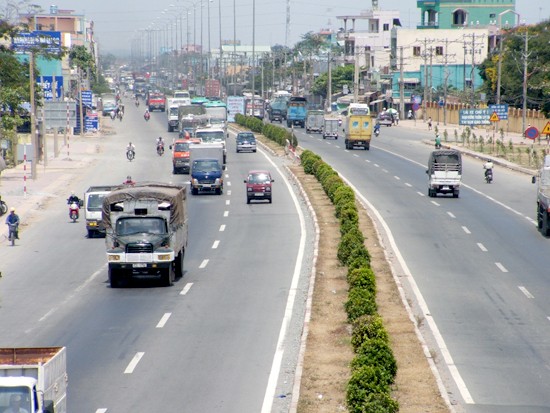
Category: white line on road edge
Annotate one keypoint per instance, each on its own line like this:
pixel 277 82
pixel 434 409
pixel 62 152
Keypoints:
pixel 464 392
pixel 134 362
pixel 501 267
pixel 204 263
pixel 222 228
pixel 466 230
pixel 163 320
pixel 451 214
pixel 280 349
pixel 481 247
pixel 186 288
pixel 525 291
pixel 215 244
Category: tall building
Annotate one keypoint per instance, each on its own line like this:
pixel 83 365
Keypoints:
pixel 456 14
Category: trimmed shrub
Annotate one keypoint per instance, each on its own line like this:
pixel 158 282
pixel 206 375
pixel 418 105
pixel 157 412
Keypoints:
pixel 316 165
pixel 344 204
pixel 367 327
pixel 324 170
pixel 309 161
pixel 348 243
pixel 362 277
pixel 359 252
pixel 376 352
pixel 358 262
pixel 364 381
pixel 331 184
pixel 348 226
pixel 380 403
pixel 360 302
pixel 349 214
pixel 343 194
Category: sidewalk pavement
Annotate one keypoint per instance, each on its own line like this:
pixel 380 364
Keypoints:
pixel 53 178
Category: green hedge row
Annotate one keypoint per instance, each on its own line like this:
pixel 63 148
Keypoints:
pixel 275 133
pixel 373 368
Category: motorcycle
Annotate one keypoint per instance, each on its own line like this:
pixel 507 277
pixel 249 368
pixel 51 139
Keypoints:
pixel 146 116
pixel 12 233
pixel 130 154
pixel 3 207
pixel 160 149
pixel 74 208
pixel 488 176
pixel 137 103
pixel 376 132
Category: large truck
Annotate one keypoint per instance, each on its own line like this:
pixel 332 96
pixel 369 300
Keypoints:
pixel 278 110
pixel 213 88
pixel 156 101
pixel 315 121
pixel 216 112
pixel 358 128
pixel 543 197
pixel 146 232
pixel 212 135
pixel 189 116
pixel 444 172
pixel 296 111
pixel 206 161
pixel 35 377
pixel 93 207
pixel 172 116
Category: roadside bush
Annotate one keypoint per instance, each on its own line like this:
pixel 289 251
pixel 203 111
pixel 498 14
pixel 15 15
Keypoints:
pixel 348 243
pixel 367 327
pixel 358 252
pixel 323 171
pixel 364 382
pixel 376 352
pixel 362 277
pixel 358 262
pixel 360 302
pixel 308 159
pixel 331 184
pixel 380 403
pixel 344 193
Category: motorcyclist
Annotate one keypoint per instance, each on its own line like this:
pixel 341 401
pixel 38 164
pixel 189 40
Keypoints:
pixel 129 181
pixel 377 128
pixel 73 198
pixel 146 115
pixel 409 114
pixel 131 147
pixel 13 219
pixel 488 166
pixel 437 141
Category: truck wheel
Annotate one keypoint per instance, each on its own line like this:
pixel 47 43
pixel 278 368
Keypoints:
pixel 167 277
pixel 545 227
pixel 91 233
pixel 219 191
pixel 194 191
pixel 367 147
pixel 288 124
pixel 179 263
pixel 114 278
pixel 455 194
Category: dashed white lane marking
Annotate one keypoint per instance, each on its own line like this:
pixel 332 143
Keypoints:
pixel 385 170
pixel 481 247
pixel 215 244
pixel 229 192
pixel 337 146
pixel 131 367
pixel 378 166
pixel 186 288
pixel 357 156
pixel 226 213
pixel 227 175
pixel 367 160
pixel 227 202
pixel 501 267
pixel 466 230
pixel 328 143
pixel 451 214
pixel 420 193
pixel 228 183
pixel 407 184
pixel 101 411
pixel 435 203
pixel 204 263
pixel 163 320
pixel 525 291
pixel 222 228
pixel 396 177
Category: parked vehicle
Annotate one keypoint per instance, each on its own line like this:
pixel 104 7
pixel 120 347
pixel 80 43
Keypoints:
pixel 315 121
pixel 246 142
pixel 3 207
pixel 358 129
pixel 444 172
pixel 206 161
pixel 93 206
pixel 296 112
pixel 146 232
pixel 331 127
pixel 258 186
pixel 36 377
pixel 543 197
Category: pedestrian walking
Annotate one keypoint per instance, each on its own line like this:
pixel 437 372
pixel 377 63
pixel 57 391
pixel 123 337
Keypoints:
pixel 430 123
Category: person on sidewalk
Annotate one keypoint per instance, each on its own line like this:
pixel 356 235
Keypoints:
pixel 437 142
pixel 13 219
pixel 430 123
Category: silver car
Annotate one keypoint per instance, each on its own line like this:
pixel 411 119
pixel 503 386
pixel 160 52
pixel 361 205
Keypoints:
pixel 246 141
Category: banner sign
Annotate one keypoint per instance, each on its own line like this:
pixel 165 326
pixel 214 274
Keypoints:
pixel 46 83
pixel 501 110
pixel 474 117
pixel 235 104
pixel 27 41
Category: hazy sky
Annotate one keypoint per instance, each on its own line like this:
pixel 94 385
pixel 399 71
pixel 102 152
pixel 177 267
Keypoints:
pixel 118 21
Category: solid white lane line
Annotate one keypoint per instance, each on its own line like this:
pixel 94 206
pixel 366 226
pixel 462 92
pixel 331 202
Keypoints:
pixel 481 247
pixel 204 263
pixel 226 213
pixel 435 203
pixel 134 362
pixel 222 228
pixel 163 320
pixel 451 214
pixel 215 244
pixel 186 288
pixel 466 230
pixel 501 267
pixel 227 202
pixel 525 291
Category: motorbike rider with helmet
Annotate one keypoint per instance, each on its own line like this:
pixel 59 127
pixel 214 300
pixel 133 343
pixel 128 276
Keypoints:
pixel 73 198
pixel 146 115
pixel 13 219
pixel 377 128
pixel 129 181
pixel 488 166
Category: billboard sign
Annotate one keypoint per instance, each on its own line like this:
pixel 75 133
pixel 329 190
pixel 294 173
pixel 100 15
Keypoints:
pixel 28 41
pixel 473 117
pixel 235 104
pixel 501 110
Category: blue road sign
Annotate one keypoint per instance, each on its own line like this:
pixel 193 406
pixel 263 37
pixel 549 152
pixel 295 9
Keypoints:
pixel 474 117
pixel 501 110
pixel 532 133
pixel 27 41
pixel 87 98
pixel 441 103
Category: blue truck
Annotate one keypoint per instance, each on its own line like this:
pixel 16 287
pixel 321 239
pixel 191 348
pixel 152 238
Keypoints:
pixel 206 160
pixel 296 111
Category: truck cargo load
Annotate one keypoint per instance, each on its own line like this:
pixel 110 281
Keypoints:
pixel 444 172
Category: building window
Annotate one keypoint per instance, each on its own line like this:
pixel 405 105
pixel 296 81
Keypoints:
pixel 492 15
pixel 386 27
pixel 416 50
pixel 459 17
pixel 439 50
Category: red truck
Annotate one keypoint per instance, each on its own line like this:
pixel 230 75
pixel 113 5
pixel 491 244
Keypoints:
pixel 213 88
pixel 156 101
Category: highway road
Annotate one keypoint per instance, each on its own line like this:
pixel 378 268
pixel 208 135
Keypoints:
pixel 476 267
pixel 214 342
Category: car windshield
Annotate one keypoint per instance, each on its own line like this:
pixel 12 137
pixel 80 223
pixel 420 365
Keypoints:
pixel 249 138
pixel 259 178
pixel 207 137
pixel 95 202
pixel 130 226
pixel 206 166
pixel 181 147
pixel 174 111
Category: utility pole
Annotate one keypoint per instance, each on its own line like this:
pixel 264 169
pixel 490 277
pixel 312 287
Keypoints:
pixel 329 84
pixel 356 76
pixel 425 55
pixel 472 75
pixel 401 86
pixel 446 74
pixel 431 77
pixel 525 76
pixel 34 138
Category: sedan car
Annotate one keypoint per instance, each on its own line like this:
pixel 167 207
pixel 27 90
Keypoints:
pixel 385 119
pixel 258 186
pixel 246 141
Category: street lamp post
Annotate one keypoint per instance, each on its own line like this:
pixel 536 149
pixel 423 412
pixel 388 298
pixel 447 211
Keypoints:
pixel 253 50
pixel 499 69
